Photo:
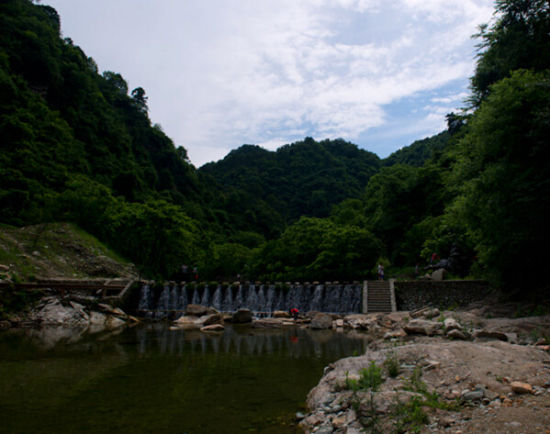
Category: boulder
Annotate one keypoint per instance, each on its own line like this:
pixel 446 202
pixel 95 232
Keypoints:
pixel 394 334
pixel 242 316
pixel 119 312
pixel 519 387
pixel 431 313
pixel 439 274
pixel 491 334
pixel 196 310
pixel 473 395
pixel 213 318
pixel 186 320
pixel 280 314
pixel 105 307
pixel 419 312
pixel 97 322
pixel 339 323
pixel 53 312
pixel 112 323
pixel 213 328
pixel 451 324
pixel 267 323
pixel 321 321
pixel 422 326
pixel 359 321
pixel 456 334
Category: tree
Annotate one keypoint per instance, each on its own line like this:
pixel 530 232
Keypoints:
pixel 504 176
pixel 520 38
pixel 138 95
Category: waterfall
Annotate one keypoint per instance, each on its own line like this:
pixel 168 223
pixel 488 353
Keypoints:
pixel 217 298
pixel 259 298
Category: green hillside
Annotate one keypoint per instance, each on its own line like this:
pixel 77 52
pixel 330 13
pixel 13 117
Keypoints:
pixel 78 146
pixel 302 179
pixel 420 151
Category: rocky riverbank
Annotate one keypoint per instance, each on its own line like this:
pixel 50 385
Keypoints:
pixel 54 318
pixel 431 371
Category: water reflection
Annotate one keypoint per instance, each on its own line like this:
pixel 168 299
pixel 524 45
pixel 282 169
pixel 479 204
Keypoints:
pixel 293 342
pixel 153 379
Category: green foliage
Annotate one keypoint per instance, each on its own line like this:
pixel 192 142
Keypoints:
pixel 519 39
pixel 411 416
pixel 504 174
pixel 314 248
pixel 370 378
pixel 303 179
pixel 420 151
pixel 392 365
pixel 76 146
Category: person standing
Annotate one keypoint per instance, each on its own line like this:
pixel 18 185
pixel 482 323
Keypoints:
pixel 380 272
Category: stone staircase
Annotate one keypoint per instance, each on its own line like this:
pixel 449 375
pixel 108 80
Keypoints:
pixel 379 296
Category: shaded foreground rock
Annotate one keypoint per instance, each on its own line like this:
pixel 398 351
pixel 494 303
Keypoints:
pixel 438 370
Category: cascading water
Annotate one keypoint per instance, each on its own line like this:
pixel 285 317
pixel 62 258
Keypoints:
pixel 260 299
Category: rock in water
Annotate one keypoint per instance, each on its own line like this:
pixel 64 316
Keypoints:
pixel 213 328
pixel 268 323
pixel 242 316
pixel 281 314
pixel 321 321
pixel 213 318
pixel 196 310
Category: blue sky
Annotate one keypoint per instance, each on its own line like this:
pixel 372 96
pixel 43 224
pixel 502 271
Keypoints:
pixel 220 73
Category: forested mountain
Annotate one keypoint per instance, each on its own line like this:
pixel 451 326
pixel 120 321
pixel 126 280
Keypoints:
pixel 419 151
pixel 302 179
pixel 78 146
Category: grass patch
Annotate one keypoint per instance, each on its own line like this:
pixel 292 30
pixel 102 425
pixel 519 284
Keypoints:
pixel 412 416
pixel 369 379
pixel 392 365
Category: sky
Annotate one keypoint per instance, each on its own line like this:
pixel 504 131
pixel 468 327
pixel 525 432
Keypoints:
pixel 222 73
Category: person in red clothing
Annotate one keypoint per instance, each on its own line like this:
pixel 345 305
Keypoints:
pixel 294 312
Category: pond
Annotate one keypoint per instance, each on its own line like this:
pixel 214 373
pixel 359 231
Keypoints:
pixel 152 379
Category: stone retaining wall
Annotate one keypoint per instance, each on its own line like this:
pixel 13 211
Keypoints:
pixel 413 294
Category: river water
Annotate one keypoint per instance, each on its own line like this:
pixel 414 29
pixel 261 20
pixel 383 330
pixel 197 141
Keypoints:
pixel 150 379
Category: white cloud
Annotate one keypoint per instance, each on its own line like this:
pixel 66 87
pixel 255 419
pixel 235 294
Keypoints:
pixel 222 73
